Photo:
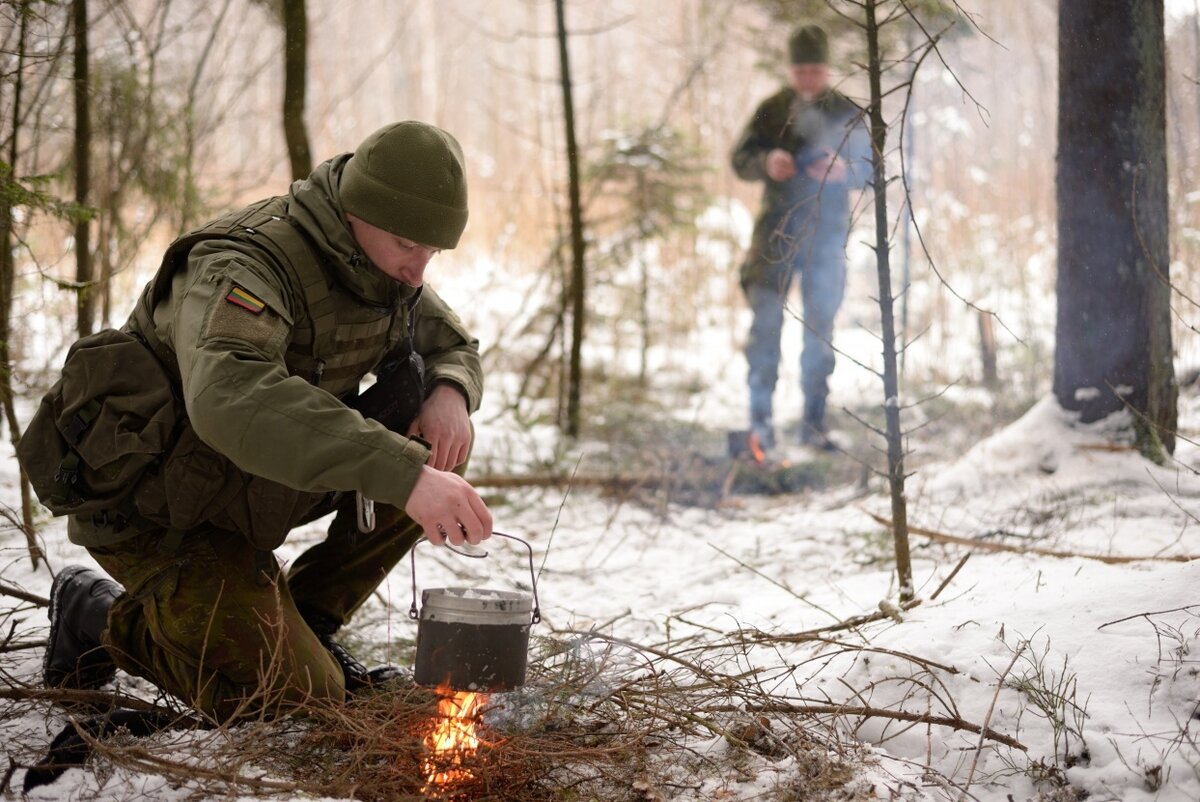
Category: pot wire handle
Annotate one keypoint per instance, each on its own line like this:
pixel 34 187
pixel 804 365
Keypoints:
pixel 412 559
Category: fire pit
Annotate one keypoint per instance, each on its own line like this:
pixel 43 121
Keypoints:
pixel 471 642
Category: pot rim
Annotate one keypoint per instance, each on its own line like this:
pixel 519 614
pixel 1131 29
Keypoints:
pixel 485 602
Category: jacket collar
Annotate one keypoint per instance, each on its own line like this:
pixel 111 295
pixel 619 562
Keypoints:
pixel 313 203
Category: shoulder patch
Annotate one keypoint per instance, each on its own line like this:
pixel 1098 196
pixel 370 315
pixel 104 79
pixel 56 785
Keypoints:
pixel 243 298
pixel 241 315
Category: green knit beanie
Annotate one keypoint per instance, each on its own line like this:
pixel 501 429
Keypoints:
pixel 408 179
pixel 809 45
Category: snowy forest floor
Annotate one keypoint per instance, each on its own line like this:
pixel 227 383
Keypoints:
pixel 702 643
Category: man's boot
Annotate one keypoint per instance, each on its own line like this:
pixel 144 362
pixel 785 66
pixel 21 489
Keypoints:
pixel 812 427
pixel 79 602
pixel 357 675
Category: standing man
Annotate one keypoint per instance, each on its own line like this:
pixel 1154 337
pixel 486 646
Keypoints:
pixel 260 327
pixel 807 144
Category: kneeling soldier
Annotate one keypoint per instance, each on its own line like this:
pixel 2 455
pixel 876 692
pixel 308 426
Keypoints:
pixel 261 325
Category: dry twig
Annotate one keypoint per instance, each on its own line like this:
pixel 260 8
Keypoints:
pixel 24 595
pixel 939 537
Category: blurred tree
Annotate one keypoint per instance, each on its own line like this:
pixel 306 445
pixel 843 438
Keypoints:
pixel 577 286
pixel 648 180
pixel 85 286
pixel 1114 292
pixel 295 86
pixel 893 435
pixel 39 42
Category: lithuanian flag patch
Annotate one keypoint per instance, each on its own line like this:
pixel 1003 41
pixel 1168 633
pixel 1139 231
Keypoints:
pixel 243 298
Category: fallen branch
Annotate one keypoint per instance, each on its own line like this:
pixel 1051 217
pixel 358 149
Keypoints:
pixel 953 574
pixel 137 757
pixel 502 481
pixel 762 637
pixel 939 537
pixel 24 595
pixel 857 621
pixel 878 712
pixel 1148 614
pixel 103 699
pixel 21 646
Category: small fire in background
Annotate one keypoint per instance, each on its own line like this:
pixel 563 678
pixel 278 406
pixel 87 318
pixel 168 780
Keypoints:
pixel 452 740
pixel 756 449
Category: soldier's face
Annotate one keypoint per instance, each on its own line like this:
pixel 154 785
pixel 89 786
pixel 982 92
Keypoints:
pixel 399 258
pixel 808 80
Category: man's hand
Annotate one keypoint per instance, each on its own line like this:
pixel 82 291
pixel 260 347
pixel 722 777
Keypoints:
pixel 830 168
pixel 444 424
pixel 447 508
pixel 780 165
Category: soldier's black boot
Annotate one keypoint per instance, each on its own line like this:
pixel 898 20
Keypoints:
pixel 79 602
pixel 357 676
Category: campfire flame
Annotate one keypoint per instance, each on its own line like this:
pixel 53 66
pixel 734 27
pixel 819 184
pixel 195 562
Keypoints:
pixel 452 740
pixel 756 449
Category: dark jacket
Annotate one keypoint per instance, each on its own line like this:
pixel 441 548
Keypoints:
pixel 832 122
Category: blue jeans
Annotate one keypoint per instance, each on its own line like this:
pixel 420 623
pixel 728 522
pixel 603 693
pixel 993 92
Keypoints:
pixel 822 271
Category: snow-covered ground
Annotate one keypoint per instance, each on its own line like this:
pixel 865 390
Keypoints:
pixel 1088 664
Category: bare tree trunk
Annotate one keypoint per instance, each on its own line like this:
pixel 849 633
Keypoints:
pixel 86 305
pixel 8 284
pixel 643 300
pixel 190 207
pixel 106 220
pixel 644 322
pixel 295 85
pixel 1113 338
pixel 577 291
pixel 987 351
pixel 891 384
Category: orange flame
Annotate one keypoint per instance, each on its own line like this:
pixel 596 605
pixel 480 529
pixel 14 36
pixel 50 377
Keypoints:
pixel 756 448
pixel 452 740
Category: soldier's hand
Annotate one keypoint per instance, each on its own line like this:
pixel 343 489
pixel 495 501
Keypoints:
pixel 446 507
pixel 444 423
pixel 780 165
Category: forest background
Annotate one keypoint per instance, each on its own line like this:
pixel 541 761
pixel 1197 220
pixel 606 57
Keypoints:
pixel 186 121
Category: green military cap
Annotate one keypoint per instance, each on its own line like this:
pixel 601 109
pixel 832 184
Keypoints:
pixel 408 179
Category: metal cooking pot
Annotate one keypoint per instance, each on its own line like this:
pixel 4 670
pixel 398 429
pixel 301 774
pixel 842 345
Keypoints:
pixel 473 639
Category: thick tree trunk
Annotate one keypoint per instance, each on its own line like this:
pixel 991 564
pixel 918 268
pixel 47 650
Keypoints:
pixel 1114 319
pixel 295 85
pixel 86 305
pixel 577 294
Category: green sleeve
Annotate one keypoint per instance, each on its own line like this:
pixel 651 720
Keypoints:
pixel 451 354
pixel 242 401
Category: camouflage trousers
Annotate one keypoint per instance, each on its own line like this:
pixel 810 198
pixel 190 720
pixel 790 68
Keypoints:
pixel 217 623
